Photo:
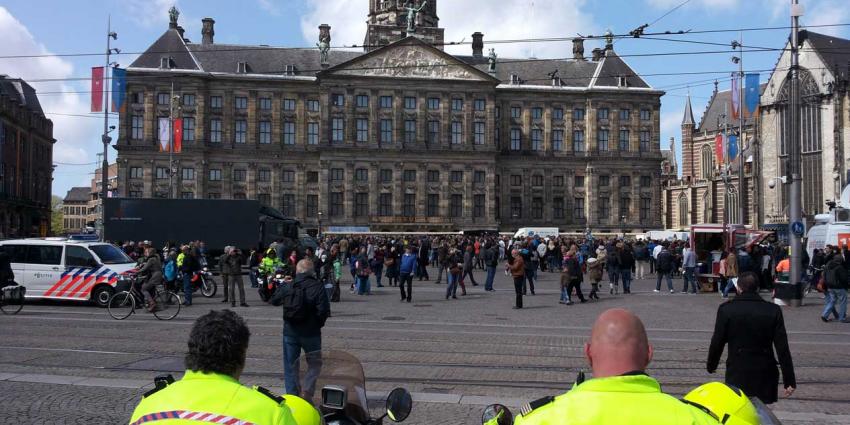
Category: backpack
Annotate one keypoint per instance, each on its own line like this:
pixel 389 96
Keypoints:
pixel 295 308
pixel 170 270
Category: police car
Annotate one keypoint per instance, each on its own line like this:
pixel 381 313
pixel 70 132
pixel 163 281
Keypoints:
pixel 77 268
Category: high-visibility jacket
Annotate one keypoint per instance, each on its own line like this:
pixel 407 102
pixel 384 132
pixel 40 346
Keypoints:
pixel 621 400
pixel 211 398
pixel 269 264
pixel 180 257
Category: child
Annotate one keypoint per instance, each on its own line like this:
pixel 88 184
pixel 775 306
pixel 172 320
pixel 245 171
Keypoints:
pixel 594 272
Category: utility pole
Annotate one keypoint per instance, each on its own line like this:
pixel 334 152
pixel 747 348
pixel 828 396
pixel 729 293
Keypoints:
pixel 794 145
pixel 104 170
pixel 171 169
pixel 741 108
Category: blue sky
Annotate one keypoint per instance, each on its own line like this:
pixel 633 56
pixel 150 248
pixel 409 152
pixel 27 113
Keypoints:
pixel 61 27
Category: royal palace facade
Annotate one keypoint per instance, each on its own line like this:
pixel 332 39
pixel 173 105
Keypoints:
pixel 401 136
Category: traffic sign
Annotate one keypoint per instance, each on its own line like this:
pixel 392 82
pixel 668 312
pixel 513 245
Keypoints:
pixel 798 228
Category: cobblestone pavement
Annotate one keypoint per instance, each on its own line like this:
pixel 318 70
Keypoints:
pixel 69 363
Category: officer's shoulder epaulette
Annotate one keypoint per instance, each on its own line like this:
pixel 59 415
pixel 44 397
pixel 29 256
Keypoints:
pixel 536 404
pixel 277 399
pixel 160 383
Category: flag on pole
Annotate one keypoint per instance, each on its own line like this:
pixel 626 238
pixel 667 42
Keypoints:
pixel 178 135
pixel 97 89
pixel 732 147
pixel 164 132
pixel 752 93
pixel 119 89
pixel 736 99
pixel 718 148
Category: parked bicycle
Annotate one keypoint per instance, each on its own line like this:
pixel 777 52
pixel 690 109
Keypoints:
pixel 12 298
pixel 125 302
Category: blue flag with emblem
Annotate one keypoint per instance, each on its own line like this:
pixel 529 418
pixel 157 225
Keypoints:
pixel 752 93
pixel 119 89
pixel 732 147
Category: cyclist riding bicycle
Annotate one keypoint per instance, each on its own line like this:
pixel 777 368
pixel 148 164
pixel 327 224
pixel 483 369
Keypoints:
pixel 149 276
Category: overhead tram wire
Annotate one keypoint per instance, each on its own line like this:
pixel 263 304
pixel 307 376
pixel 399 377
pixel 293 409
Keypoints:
pixel 451 43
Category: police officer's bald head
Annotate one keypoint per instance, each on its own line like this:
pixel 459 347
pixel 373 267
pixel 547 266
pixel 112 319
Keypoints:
pixel 618 344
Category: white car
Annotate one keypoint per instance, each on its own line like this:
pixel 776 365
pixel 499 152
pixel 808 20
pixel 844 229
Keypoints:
pixel 67 269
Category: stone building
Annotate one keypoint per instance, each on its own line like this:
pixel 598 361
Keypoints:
pixel 75 210
pixel 400 137
pixel 700 195
pixel 26 161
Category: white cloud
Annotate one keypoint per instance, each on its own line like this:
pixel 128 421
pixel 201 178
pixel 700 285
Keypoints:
pixel 269 6
pixel 503 20
pixel 149 13
pixel 78 138
pixel 707 4
pixel 828 12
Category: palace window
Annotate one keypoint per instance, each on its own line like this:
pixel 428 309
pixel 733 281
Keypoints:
pixel 265 103
pixel 385 102
pixel 335 205
pixel 602 140
pixel 456 205
pixel 288 105
pixel 215 174
pixel 433 103
pixel 312 133
pixel 410 103
pixel 385 204
pixel 456 176
pixel 409 131
pixel 362 130
pixel 433 176
pixel 136 173
pixel 241 131
pixel 216 102
pixel 240 102
pixel 457 132
pixel 337 130
pixel 432 208
pixel 137 127
pixel 557 140
pixel 265 132
pixel 479 127
pixel 537 208
pixel 362 101
pixel 602 113
pixel 408 206
pixel 288 133
pixel 558 208
pixel 386 131
pixel 516 207
pixel 215 130
pixel 537 139
pixel 433 132
pixel 604 208
pixel 624 140
pixel 478 206
pixel 516 139
pixel 361 204
pixel 188 129
pixel 644 141
pixel 578 208
pixel 480 105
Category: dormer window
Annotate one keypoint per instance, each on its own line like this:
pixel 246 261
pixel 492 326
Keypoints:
pixel 556 81
pixel 291 70
pixel 514 79
pixel 165 62
pixel 241 67
pixel 622 81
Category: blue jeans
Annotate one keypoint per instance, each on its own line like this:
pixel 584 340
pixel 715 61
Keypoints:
pixel 565 294
pixel 626 278
pixel 669 281
pixel 363 286
pixel 836 298
pixel 451 288
pixel 730 286
pixel 292 346
pixel 690 280
pixel 187 288
pixel 491 274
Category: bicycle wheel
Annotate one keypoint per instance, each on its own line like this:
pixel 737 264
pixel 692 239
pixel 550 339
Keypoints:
pixel 10 305
pixel 167 305
pixel 121 305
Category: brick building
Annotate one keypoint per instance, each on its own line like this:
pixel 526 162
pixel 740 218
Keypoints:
pixel 26 161
pixel 400 137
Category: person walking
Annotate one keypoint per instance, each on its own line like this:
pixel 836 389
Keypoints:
pixel 234 266
pixel 626 263
pixel 391 265
pixel 835 276
pixel 406 269
pixel 442 262
pixel 753 328
pixel 253 267
pixel 188 267
pixel 664 268
pixel 730 273
pixel 613 266
pixel 689 263
pixel 454 273
pixel 641 254
pixel 225 273
pixel 517 271
pixel 573 275
pixel 376 263
pixel 422 256
pixel 305 311
pixel 491 260
pixel 468 265
pixel 362 270
pixel 594 273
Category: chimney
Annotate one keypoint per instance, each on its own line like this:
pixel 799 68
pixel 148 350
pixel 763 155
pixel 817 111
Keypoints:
pixel 597 54
pixel 477 45
pixel 578 49
pixel 207 31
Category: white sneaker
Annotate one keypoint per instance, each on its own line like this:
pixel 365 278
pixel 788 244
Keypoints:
pixel 672 291
pixel 655 290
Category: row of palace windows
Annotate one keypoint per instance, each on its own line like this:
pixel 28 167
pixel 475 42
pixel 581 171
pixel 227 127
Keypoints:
pixel 604 208
pixel 388 102
pixel 386 133
pixel 264 175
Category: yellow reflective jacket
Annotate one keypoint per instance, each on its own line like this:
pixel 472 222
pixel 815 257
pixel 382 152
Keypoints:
pixel 269 264
pixel 211 398
pixel 180 258
pixel 621 400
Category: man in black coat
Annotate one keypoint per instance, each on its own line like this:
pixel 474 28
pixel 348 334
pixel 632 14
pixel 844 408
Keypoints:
pixel 753 328
pixel 304 334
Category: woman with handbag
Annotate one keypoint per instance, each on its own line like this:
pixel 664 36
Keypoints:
pixel 455 269
pixel 391 266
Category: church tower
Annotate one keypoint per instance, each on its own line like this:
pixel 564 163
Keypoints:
pixel 688 127
pixel 387 22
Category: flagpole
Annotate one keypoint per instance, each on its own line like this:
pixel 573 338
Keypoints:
pixel 171 168
pixel 104 169
pixel 741 109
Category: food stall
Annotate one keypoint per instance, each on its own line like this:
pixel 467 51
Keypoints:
pixel 710 241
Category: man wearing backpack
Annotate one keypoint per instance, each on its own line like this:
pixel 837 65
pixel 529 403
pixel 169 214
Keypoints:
pixel 305 310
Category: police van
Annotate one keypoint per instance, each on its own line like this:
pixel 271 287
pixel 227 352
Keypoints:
pixel 76 268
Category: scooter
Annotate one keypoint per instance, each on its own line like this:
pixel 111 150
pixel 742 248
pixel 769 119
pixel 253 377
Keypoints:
pixel 342 390
pixel 268 285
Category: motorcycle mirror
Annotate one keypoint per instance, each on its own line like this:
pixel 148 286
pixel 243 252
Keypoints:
pixel 497 414
pixel 399 404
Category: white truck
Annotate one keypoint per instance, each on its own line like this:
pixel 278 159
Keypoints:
pixel 832 228
pixel 530 232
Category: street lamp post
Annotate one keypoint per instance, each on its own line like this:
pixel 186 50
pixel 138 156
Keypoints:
pixel 319 230
pixel 104 171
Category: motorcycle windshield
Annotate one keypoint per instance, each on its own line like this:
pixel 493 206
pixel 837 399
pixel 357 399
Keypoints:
pixel 337 369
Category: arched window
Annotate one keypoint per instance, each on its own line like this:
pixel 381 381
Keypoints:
pixel 730 206
pixel 706 207
pixel 684 211
pixel 706 163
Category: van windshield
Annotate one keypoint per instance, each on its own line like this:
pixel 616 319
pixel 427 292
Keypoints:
pixel 109 254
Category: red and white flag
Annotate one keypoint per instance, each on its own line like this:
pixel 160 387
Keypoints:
pixel 178 135
pixel 97 89
pixel 164 133
pixel 718 148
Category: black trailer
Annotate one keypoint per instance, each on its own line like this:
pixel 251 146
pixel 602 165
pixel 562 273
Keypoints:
pixel 241 223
